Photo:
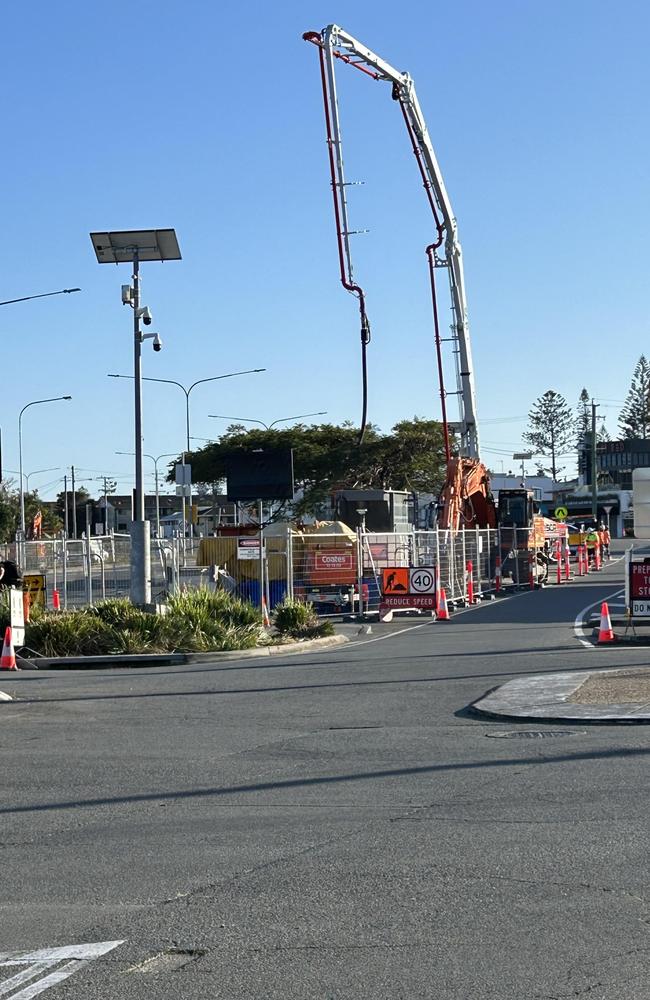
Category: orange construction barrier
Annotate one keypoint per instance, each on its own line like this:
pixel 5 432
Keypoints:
pixel 443 610
pixel 266 621
pixel 605 632
pixel 56 600
pixel 8 659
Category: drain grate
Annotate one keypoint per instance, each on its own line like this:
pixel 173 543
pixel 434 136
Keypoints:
pixel 533 734
pixel 168 961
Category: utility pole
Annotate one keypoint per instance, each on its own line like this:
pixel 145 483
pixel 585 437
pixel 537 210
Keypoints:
pixel 65 504
pixel 74 505
pixel 594 476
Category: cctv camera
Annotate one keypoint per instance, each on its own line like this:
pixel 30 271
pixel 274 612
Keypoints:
pixel 157 342
pixel 144 313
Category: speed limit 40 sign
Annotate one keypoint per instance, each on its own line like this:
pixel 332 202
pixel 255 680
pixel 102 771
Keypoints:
pixel 422 580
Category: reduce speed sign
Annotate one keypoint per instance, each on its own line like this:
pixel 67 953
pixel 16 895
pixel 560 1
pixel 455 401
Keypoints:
pixel 422 580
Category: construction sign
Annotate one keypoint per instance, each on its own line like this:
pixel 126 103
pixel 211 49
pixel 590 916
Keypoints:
pixel 409 587
pixel 395 580
pixel 34 585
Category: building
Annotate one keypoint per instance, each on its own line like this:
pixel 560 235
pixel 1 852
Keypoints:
pixel 616 460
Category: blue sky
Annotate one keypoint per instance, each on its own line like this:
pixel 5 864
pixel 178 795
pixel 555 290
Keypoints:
pixel 208 118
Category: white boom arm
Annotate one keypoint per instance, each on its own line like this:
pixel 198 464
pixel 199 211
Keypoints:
pixel 336 43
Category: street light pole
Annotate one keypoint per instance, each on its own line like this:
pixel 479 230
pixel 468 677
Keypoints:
pixel 187 390
pixel 169 454
pixel 34 402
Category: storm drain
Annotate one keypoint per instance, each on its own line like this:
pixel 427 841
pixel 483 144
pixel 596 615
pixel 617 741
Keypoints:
pixel 533 734
pixel 168 961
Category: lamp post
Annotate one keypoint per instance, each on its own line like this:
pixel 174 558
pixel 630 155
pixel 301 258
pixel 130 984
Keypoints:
pixel 43 295
pixel 132 247
pixel 187 390
pixel 268 427
pixel 169 454
pixel 34 402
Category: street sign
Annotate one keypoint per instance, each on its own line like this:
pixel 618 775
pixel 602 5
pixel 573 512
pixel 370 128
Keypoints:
pixel 183 474
pixel 638 586
pixel 395 580
pixel 248 548
pixel 17 612
pixel 34 584
pixel 409 601
pixel 409 587
pixel 422 580
pixel 561 513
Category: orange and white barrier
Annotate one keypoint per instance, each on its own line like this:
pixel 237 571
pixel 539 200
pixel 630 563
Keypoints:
pixel 8 659
pixel 443 610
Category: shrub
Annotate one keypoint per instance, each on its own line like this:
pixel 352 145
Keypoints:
pixel 299 620
pixel 197 621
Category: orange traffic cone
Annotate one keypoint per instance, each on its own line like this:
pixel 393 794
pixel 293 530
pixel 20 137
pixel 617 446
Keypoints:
pixel 443 611
pixel 605 633
pixel 265 614
pixel 8 659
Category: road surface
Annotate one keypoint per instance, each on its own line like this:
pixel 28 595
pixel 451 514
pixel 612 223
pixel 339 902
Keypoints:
pixel 335 825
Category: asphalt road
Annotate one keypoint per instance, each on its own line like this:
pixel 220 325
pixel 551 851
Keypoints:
pixel 336 825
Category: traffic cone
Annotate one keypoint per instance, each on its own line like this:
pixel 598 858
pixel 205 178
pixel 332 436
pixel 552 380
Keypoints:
pixel 605 633
pixel 265 614
pixel 8 659
pixel 443 611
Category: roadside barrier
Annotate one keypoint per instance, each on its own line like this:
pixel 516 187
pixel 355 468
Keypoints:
pixel 56 600
pixel 497 574
pixel 8 659
pixel 531 574
pixel 266 621
pixel 443 610
pixel 597 563
pixel 558 561
pixel 567 564
pixel 470 582
pixel 605 632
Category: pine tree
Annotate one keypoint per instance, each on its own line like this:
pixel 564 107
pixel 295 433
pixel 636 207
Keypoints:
pixel 634 420
pixel 551 427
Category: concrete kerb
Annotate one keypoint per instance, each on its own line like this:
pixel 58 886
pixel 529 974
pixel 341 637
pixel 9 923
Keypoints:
pixel 124 661
pixel 544 698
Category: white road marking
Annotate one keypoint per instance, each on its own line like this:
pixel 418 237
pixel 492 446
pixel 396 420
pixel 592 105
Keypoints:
pixel 38 962
pixel 577 625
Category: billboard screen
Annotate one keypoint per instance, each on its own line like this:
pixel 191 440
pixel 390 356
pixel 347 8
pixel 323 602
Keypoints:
pixel 260 475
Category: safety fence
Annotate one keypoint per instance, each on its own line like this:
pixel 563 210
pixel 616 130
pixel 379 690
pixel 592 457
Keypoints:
pixel 75 572
pixel 337 571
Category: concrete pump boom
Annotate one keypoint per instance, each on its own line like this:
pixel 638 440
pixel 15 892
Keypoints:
pixel 337 44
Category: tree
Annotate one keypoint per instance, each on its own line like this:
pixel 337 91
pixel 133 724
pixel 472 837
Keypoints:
pixel 10 512
pixel 551 428
pixel 634 420
pixel 327 457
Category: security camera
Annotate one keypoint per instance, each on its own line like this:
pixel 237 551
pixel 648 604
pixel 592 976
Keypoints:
pixel 144 313
pixel 157 342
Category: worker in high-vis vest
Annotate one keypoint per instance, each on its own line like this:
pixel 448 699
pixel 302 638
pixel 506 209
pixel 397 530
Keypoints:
pixel 605 539
pixel 592 542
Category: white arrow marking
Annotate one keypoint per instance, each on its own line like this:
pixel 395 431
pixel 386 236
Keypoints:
pixel 38 962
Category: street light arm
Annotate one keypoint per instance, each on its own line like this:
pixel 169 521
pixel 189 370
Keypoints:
pixel 246 420
pixel 215 378
pixel 34 402
pixel 43 295
pixel 281 420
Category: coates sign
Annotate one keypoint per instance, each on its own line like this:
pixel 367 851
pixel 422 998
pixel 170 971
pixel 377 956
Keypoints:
pixel 333 566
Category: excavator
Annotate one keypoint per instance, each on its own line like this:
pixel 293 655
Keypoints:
pixel 465 499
